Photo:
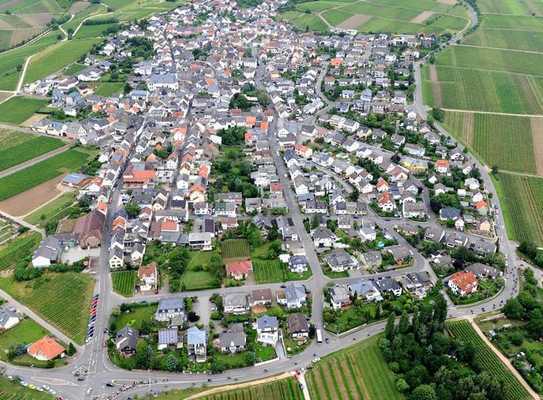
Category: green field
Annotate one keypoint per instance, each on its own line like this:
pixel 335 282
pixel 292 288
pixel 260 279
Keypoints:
pixel 41 172
pixel 108 89
pixel 488 360
pixel 62 299
pixel 53 211
pixel 18 109
pixel 357 372
pixel 285 389
pixel 124 282
pixel 11 390
pixel 235 248
pixel 513 7
pixel 521 198
pixel 270 271
pixel 17 147
pixel 57 57
pixel 377 16
pixel 501 140
pixel 18 248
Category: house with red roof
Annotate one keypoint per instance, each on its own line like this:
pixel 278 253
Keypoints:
pixel 463 283
pixel 45 349
pixel 239 269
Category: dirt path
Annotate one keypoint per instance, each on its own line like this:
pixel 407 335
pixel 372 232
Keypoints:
pixel 504 360
pixel 492 112
pixel 499 48
pixel 537 139
pixel 436 86
pixel 221 389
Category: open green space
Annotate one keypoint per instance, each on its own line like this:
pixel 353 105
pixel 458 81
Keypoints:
pixel 17 147
pixel 377 16
pixel 510 7
pixel 357 372
pixel 498 140
pixel 124 282
pixel 521 198
pixel 488 360
pixel 55 296
pixel 18 249
pixel 108 89
pixel 18 109
pixel 41 172
pixel 12 390
pixel 57 57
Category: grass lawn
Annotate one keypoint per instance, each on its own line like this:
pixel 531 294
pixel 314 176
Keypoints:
pixel 19 248
pixel 264 353
pixel 108 89
pixel 17 147
pixel 124 282
pixel 18 109
pixel 24 333
pixel 359 371
pixel 136 316
pixel 270 271
pixel 41 172
pixel 55 296
pixel 74 69
pixel 293 347
pixel 199 280
pixel 55 210
pixel 11 390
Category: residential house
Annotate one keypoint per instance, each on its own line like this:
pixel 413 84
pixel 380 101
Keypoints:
pixel 233 340
pixel 267 330
pixel 298 327
pixel 197 344
pixel 171 310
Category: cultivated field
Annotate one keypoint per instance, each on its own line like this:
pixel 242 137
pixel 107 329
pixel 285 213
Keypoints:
pixel 18 248
pixel 18 109
pixel 235 248
pixel 124 282
pixel 53 211
pixel 502 140
pixel 61 298
pixel 521 199
pixel 488 360
pixel 41 172
pixel 17 147
pixel 379 16
pixel 358 372
pixel 285 389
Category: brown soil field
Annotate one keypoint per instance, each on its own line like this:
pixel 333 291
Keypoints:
pixel 25 202
pixel 423 16
pixel 78 6
pixel 354 22
pixel 37 19
pixel 537 138
pixel 447 2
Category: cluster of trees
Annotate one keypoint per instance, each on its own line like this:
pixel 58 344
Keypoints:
pixel 233 136
pixel 140 47
pixel 531 251
pixel 232 173
pixel 431 365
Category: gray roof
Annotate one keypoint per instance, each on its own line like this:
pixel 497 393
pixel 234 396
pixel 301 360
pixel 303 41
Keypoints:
pixel 168 336
pixel 266 322
pixel 233 336
pixel 5 314
pixel 171 304
pixel 196 336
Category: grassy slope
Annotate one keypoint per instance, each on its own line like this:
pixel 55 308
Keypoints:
pixel 31 147
pixel 18 109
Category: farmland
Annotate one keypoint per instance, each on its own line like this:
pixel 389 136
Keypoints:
pixel 488 360
pixel 17 147
pixel 124 282
pixel 378 16
pixel 358 372
pixel 10 390
pixel 18 249
pixel 521 198
pixel 235 248
pixel 53 211
pixel 54 296
pixel 18 109
pixel 284 389
pixel 501 140
pixel 41 172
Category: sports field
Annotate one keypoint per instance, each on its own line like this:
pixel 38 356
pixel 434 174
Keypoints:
pixel 521 199
pixel 41 172
pixel 393 16
pixel 18 109
pixel 512 143
pixel 17 147
pixel 55 296
pixel 358 372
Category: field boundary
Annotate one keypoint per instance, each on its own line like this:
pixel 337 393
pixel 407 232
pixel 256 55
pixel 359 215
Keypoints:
pixel 503 359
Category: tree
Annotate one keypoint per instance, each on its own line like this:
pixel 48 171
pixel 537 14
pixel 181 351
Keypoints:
pixel 424 392
pixel 71 349
pixel 233 136
pixel 513 309
pixel 132 209
pixel 402 385
pixel 403 327
pixel 390 328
